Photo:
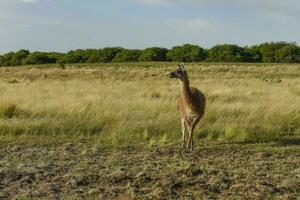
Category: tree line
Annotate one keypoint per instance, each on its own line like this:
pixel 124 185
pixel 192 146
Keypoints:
pixel 273 52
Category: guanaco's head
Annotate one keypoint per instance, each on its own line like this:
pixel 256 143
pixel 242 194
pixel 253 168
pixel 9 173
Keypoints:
pixel 179 73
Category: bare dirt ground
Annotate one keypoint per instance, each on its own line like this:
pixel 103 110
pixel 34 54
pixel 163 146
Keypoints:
pixel 83 170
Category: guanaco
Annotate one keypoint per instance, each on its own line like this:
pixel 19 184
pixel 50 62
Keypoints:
pixel 191 104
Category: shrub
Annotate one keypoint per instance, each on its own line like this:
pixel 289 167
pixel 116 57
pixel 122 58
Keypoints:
pixel 61 65
pixel 280 52
pixel 252 55
pixel 77 56
pixel 72 58
pixel 154 54
pixel 36 58
pixel 186 53
pixel 288 54
pixel 5 60
pixel 55 57
pixel 104 55
pixel 268 50
pixel 7 110
pixel 127 56
pixel 226 53
pixel 18 57
pixel 94 56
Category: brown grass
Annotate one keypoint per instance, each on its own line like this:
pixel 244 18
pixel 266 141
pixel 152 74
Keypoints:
pixel 136 102
pixel 7 109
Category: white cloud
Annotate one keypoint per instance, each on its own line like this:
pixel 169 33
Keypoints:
pixel 153 2
pixel 286 7
pixel 256 21
pixel 190 25
pixel 13 21
pixel 29 1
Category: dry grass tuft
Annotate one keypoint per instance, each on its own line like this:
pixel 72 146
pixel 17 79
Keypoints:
pixel 7 109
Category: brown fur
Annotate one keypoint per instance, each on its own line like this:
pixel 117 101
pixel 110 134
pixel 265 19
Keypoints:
pixel 196 101
pixel 191 103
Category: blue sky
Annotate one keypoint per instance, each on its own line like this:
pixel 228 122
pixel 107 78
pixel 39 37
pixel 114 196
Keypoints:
pixel 62 25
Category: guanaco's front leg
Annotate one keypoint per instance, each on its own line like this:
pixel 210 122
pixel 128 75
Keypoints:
pixel 190 144
pixel 183 129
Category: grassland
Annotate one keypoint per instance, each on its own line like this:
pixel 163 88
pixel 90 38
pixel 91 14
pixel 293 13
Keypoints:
pixel 124 103
pixel 113 131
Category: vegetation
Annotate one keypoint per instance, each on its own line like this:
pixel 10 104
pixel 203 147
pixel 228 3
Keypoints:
pixel 124 102
pixel 127 56
pixel 18 57
pixel 288 54
pixel 83 168
pixel 274 52
pixel 187 53
pixel 103 55
pixel 154 54
pixel 6 59
pixel 112 131
pixel 7 110
pixel 38 58
pixel 226 53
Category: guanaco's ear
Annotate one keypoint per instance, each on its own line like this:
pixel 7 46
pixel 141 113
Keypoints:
pixel 182 66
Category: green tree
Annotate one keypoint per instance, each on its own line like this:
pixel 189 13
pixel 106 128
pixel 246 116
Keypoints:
pixel 84 54
pixel 154 54
pixel 36 58
pixel 19 56
pixel 94 56
pixel 104 55
pixel 72 58
pixel 252 54
pixel 127 55
pixel 77 56
pixel 55 57
pixel 88 54
pixel 288 54
pixel 268 50
pixel 226 53
pixel 187 53
pixel 6 59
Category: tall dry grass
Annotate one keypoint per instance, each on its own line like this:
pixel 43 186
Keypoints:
pixel 7 109
pixel 137 102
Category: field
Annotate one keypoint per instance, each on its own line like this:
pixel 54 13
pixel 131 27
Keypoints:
pixel 112 131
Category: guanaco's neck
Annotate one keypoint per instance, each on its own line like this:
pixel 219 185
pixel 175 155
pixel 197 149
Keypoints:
pixel 185 87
